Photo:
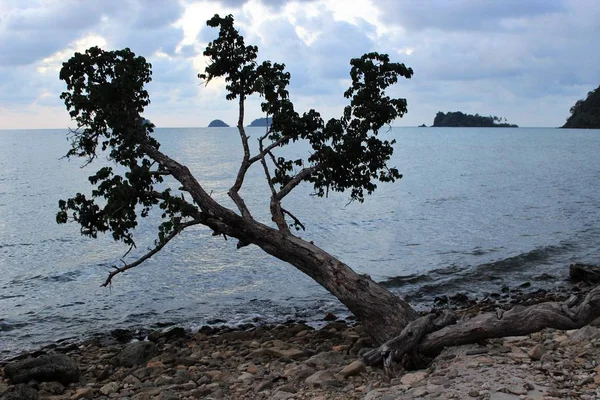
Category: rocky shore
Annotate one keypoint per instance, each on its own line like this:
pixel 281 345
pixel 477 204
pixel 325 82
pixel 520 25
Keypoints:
pixel 295 361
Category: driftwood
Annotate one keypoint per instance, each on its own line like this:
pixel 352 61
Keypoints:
pixel 425 336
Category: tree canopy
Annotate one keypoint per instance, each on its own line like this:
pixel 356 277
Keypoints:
pixel 585 113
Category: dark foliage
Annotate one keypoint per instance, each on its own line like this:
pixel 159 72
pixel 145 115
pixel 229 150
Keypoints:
pixel 106 97
pixel 586 113
pixel 459 119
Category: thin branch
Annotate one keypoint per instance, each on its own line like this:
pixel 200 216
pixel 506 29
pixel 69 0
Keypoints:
pixel 268 149
pixel 296 220
pixel 300 176
pixel 160 173
pixel 152 252
pixel 275 205
pixel 185 177
pixel 239 180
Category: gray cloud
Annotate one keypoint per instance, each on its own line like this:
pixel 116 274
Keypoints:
pixel 462 14
pixel 28 34
pixel 276 4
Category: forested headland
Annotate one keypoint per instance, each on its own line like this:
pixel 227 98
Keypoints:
pixel 585 113
pixel 460 119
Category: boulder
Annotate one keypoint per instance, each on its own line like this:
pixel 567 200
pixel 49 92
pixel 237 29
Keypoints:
pixel 47 368
pixel 584 273
pixel 136 354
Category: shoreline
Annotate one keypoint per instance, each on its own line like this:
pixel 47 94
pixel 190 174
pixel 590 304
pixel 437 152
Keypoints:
pixel 296 361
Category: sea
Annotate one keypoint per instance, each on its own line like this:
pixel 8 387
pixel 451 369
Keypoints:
pixel 477 209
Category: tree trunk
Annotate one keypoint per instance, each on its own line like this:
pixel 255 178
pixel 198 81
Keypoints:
pixel 383 314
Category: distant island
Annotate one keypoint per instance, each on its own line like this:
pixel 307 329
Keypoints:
pixel 585 114
pixel 217 123
pixel 422 126
pixel 261 122
pixel 459 119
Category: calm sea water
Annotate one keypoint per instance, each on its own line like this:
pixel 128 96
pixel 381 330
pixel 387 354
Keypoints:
pixel 476 209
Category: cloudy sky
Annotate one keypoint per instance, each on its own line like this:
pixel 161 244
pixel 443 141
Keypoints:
pixel 526 60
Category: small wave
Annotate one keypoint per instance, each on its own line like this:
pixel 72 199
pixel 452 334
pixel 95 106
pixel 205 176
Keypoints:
pixel 399 281
pixel 69 276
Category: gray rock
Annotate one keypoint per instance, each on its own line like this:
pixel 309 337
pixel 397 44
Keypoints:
pixel 322 379
pixel 136 354
pixel 109 388
pixel 298 372
pixel 326 358
pixel 47 368
pixel 20 392
pixel 585 333
pixel 282 396
pixel 537 352
pixel 354 368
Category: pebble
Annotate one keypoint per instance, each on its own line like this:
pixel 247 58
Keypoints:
pixel 297 362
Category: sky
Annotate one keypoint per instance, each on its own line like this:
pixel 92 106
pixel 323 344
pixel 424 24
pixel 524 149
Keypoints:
pixel 525 60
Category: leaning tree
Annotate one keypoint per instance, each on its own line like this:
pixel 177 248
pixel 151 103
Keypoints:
pixel 106 97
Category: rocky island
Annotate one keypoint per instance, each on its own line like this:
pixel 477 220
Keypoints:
pixel 585 114
pixel 217 123
pixel 261 122
pixel 459 119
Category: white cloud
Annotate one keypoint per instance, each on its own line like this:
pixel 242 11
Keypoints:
pixel 525 60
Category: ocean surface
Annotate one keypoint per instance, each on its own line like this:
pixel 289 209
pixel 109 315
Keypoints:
pixel 477 209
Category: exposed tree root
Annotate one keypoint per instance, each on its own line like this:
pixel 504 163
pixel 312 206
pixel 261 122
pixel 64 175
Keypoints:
pixel 428 335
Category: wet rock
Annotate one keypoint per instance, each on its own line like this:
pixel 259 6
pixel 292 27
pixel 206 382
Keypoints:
pixel 329 317
pixel 136 354
pixel 47 368
pixel 584 273
pixel 174 332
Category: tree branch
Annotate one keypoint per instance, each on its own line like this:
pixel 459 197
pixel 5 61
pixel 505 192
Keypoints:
pixel 296 220
pixel 300 176
pixel 275 204
pixel 267 149
pixel 239 180
pixel 149 254
pixel 185 177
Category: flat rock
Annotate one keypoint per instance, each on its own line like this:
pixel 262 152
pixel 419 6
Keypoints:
pixel 327 358
pixel 322 379
pixel 47 368
pixel 355 368
pixel 414 377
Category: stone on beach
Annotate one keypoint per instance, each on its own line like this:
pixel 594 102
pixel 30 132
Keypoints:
pixel 46 368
